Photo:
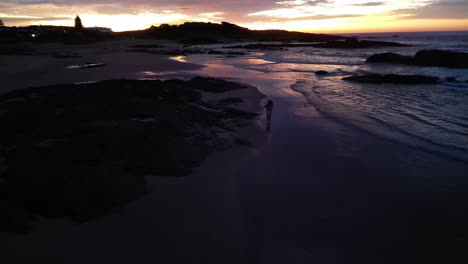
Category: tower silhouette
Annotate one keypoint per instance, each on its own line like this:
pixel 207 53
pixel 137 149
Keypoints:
pixel 78 24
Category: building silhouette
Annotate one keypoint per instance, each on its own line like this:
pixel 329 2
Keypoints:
pixel 78 24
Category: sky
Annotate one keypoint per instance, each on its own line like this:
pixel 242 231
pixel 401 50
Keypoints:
pixel 322 16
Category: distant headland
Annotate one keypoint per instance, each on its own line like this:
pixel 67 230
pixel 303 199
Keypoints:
pixel 189 31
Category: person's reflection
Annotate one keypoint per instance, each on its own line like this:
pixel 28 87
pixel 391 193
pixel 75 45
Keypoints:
pixel 269 111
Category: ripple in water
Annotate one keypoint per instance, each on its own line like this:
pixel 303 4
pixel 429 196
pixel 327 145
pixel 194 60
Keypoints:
pixel 428 117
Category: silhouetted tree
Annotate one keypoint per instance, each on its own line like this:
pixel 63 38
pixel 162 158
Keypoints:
pixel 1 23
pixel 78 24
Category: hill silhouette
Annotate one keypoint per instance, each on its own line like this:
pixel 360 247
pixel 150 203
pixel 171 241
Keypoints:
pixel 200 32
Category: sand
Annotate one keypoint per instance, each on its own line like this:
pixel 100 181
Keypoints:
pixel 199 214
pixel 312 191
pixel 21 71
pixel 187 219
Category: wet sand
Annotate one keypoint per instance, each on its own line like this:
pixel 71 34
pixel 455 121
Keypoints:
pixel 21 71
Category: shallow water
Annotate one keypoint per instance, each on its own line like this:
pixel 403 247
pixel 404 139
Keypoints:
pixel 431 118
pixel 352 173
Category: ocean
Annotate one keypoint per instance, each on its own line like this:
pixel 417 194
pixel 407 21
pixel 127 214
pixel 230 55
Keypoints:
pixel 354 173
pixel 350 173
pixel 430 118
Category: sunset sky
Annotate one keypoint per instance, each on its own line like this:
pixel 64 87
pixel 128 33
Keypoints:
pixel 334 16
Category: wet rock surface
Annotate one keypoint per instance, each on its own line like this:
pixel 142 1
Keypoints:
pixel 321 73
pixel 390 57
pixel 78 151
pixel 425 58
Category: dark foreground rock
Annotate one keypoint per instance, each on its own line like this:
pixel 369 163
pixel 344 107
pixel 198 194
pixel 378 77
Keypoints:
pixel 392 78
pixel 427 58
pixel 269 46
pixel 390 57
pixel 78 151
pixel 321 73
pixel 442 58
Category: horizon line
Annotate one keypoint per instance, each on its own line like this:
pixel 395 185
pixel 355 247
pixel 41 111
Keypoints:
pixel 210 22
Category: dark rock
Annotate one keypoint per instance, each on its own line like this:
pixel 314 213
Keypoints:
pixel 262 46
pixel 427 58
pixel 233 100
pixel 390 57
pixel 321 72
pixel 442 58
pixel 243 142
pixel 230 53
pixel 267 46
pixel 215 52
pixel 235 53
pixel 392 78
pixel 78 151
pixel 147 46
pixel 199 41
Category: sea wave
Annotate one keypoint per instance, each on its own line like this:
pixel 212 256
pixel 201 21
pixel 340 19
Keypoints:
pixel 400 122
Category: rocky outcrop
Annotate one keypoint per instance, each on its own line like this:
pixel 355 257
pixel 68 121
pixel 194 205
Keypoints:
pixel 321 73
pixel 392 78
pixel 390 57
pixel 426 58
pixel 267 46
pixel 78 151
pixel 442 58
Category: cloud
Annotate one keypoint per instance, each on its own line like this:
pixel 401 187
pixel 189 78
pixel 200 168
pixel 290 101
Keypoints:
pixel 309 9
pixel 276 13
pixel 370 4
pixel 445 9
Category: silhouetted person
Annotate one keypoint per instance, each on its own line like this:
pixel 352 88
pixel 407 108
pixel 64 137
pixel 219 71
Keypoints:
pixel 269 111
pixel 1 23
pixel 78 24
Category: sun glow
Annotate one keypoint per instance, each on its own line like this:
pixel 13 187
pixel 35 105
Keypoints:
pixel 123 22
pixel 325 16
pixel 364 24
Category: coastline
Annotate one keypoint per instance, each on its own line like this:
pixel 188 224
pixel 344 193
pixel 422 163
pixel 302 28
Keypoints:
pixel 43 68
pixel 314 189
pixel 194 212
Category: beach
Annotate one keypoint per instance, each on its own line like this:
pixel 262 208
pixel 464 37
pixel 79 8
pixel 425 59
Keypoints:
pixel 44 68
pixel 316 189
